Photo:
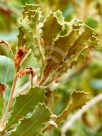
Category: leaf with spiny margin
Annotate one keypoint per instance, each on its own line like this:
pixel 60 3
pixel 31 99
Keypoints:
pixel 51 30
pixel 32 126
pixel 29 31
pixel 29 8
pixel 32 16
pixel 28 23
pixel 6 70
pixel 68 49
pixel 25 103
pixel 77 100
pixel 61 21
pixel 59 17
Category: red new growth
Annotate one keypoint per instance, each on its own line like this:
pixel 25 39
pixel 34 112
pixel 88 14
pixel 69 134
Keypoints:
pixel 2 88
pixel 20 55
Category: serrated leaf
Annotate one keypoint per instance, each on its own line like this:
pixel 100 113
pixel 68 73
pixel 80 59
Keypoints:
pixel 77 100
pixel 25 103
pixel 6 70
pixel 65 43
pixel 68 50
pixel 51 30
pixel 61 20
pixel 27 25
pixel 60 17
pixel 29 9
pixel 32 126
pixel 29 31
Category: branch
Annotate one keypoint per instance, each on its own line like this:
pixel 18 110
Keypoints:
pixel 79 113
pixel 2 125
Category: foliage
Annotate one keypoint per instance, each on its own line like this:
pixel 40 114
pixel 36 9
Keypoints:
pixel 36 93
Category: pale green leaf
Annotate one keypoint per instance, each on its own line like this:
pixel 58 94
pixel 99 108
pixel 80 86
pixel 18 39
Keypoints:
pixel 60 17
pixel 61 20
pixel 6 70
pixel 77 100
pixel 32 126
pixel 68 50
pixel 29 32
pixel 25 103
pixel 29 61
pixel 51 30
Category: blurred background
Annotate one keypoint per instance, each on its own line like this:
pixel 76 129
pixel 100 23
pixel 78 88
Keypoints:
pixel 87 76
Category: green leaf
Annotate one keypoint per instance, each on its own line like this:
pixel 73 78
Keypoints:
pixel 59 17
pixel 92 23
pixel 32 126
pixel 77 100
pixel 25 103
pixel 6 70
pixel 61 20
pixel 68 50
pixel 29 61
pixel 51 31
pixel 30 30
pixel 32 16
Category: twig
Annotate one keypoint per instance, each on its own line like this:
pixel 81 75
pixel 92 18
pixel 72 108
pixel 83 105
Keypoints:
pixel 9 103
pixel 79 113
